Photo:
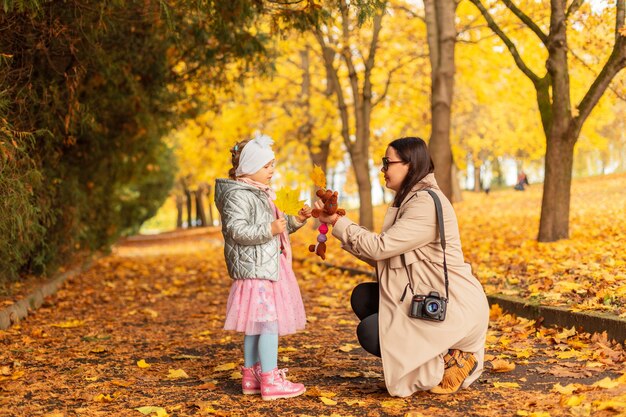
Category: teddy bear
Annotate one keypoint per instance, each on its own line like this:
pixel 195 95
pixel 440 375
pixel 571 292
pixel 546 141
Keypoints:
pixel 329 198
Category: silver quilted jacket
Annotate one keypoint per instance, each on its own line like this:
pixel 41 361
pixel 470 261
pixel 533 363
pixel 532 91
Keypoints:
pixel 250 249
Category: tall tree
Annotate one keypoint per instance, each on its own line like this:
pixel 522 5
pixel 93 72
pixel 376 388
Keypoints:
pixel 561 122
pixel 361 95
pixel 441 35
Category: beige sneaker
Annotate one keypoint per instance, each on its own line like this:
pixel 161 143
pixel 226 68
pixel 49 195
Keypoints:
pixel 458 366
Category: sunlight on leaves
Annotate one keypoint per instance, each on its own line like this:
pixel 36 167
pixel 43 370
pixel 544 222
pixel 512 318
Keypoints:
pixel 160 411
pixel 177 374
pixel 69 324
pixel 143 364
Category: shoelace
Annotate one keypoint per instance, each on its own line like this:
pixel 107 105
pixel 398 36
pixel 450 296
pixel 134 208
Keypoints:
pixel 283 373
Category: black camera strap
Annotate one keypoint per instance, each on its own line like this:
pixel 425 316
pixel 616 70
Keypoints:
pixel 442 239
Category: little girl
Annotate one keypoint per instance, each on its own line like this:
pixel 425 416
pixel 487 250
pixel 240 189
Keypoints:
pixel 264 300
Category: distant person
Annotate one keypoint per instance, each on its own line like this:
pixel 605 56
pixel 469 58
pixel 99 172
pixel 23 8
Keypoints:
pixel 265 299
pixel 522 181
pixel 428 350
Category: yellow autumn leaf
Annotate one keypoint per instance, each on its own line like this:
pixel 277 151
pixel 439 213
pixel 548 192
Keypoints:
pixel 348 347
pixel 573 401
pixel 611 405
pixel 236 375
pixel 567 390
pixel 226 367
pixel 393 404
pixel 98 349
pixel 318 177
pixel 350 374
pixel 328 401
pixel 160 411
pixel 177 374
pixel 359 403
pixel 122 383
pixel 69 324
pixel 101 398
pixel 501 365
pixel 287 349
pixel 506 384
pixel 143 364
pixel 566 333
pixel 287 201
pixel 606 383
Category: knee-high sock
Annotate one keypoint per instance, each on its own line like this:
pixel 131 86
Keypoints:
pixel 268 351
pixel 250 350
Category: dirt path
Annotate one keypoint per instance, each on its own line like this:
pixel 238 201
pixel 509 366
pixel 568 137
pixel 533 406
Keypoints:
pixel 163 303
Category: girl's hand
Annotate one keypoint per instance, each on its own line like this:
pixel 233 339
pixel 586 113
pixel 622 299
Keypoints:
pixel 279 226
pixel 325 218
pixel 304 213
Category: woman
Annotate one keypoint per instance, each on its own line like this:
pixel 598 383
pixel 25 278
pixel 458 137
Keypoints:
pixel 417 354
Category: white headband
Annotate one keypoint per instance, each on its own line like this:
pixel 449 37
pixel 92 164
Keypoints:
pixel 255 155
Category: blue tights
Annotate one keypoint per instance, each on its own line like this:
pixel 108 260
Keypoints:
pixel 263 348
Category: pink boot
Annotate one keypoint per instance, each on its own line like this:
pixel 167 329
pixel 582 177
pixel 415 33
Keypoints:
pixel 250 382
pixel 274 385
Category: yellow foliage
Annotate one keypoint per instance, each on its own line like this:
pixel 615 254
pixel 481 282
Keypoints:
pixel 319 177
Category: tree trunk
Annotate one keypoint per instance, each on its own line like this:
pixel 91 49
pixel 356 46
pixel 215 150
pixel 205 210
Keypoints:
pixel 555 204
pixel 189 204
pixel 179 211
pixel 441 34
pixel 200 212
pixel 477 183
pixel 360 164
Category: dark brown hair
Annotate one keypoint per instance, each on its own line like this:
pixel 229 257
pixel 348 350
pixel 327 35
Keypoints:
pixel 235 152
pixel 414 152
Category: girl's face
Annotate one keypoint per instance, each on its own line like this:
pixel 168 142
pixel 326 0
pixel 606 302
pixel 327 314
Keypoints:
pixel 264 175
pixel 394 168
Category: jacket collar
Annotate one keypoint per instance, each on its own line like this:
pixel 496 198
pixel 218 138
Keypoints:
pixel 428 181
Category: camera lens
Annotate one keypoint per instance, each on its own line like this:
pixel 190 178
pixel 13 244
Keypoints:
pixel 432 307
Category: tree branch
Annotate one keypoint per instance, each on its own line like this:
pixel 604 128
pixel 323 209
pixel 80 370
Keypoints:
pixel 527 20
pixel 615 63
pixel 507 41
pixel 573 7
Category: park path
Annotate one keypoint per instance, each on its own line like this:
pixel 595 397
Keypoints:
pixel 161 302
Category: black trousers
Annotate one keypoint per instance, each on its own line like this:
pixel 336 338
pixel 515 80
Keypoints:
pixel 364 301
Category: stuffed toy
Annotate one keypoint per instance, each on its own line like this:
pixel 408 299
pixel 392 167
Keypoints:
pixel 329 198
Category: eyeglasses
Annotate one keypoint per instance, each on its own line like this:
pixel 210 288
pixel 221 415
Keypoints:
pixel 387 162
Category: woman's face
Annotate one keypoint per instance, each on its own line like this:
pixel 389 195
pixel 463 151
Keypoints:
pixel 395 169
pixel 263 175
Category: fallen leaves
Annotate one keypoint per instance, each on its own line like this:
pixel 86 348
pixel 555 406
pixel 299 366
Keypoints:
pixel 182 363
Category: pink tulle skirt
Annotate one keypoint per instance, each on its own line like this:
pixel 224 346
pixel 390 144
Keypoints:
pixel 257 306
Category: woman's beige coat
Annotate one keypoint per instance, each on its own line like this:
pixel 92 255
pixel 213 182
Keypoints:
pixel 412 349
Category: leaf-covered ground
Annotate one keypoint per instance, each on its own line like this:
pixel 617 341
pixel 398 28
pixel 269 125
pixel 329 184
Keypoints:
pixel 499 236
pixel 142 328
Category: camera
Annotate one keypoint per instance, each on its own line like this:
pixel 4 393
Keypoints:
pixel 428 307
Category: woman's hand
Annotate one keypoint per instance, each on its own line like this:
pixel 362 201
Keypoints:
pixel 279 226
pixel 325 218
pixel 304 213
